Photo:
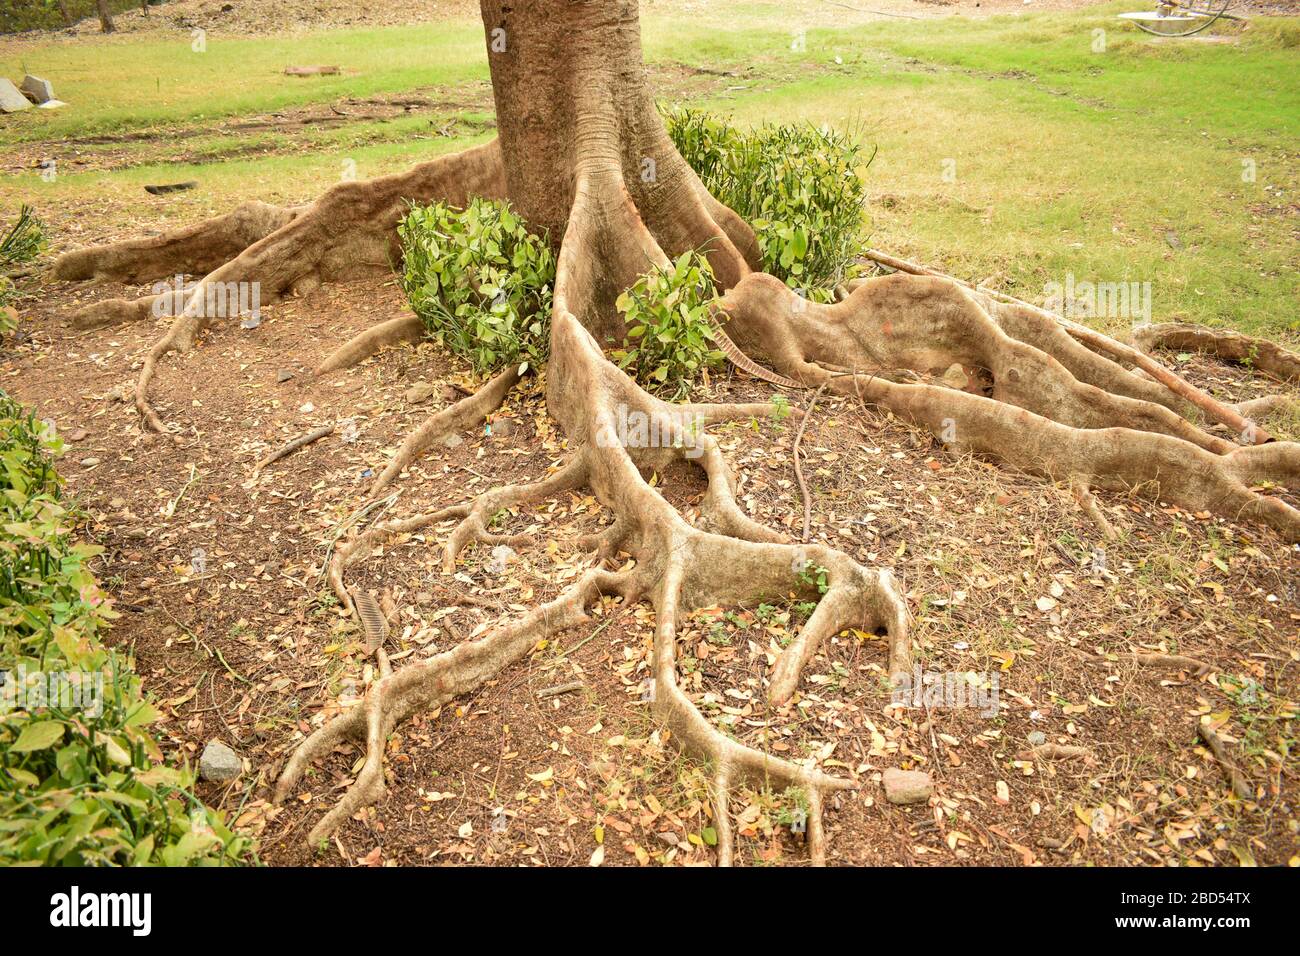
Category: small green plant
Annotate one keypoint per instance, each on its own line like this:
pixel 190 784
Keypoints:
pixel 669 336
pixel 23 242
pixel 479 281
pixel 793 808
pixel 814 575
pixel 799 186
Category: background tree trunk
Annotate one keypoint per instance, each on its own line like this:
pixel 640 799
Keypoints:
pixel 105 17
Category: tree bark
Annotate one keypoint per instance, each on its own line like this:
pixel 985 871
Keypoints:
pixel 572 100
pixel 105 17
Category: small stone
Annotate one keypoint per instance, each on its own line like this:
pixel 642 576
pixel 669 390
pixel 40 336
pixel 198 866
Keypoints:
pixel 38 90
pixel 219 763
pixel 77 434
pixel 669 837
pixel 283 375
pixel 1036 738
pixel 89 462
pixel 118 394
pixel 956 377
pixel 453 441
pixel 11 100
pixel 419 392
pixel 503 427
pixel 907 786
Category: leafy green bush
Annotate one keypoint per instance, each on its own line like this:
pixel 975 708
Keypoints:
pixel 799 187
pixel 81 779
pixel 480 282
pixel 669 337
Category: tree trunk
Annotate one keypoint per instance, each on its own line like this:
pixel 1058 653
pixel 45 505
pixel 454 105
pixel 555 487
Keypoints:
pixel 572 97
pixel 105 17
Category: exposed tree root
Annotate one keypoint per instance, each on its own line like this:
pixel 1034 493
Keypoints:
pixel 1088 501
pixel 798 465
pixel 1219 747
pixel 1148 659
pixel 1040 416
pixel 406 328
pixel 351 230
pixel 192 250
pixel 1231 346
pixel 290 447
pixel 677 566
pixel 1102 343
pixel 454 418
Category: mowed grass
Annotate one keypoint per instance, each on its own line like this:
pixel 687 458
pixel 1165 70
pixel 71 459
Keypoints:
pixel 1021 150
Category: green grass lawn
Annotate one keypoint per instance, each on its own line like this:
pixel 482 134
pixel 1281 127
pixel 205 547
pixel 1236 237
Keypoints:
pixel 1021 150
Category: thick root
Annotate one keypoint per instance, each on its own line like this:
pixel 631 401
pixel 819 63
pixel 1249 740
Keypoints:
pixel 726 559
pixel 431 684
pixel 1095 341
pixel 454 418
pixel 192 250
pixel 349 231
pixel 1230 346
pixel 406 328
pixel 1038 417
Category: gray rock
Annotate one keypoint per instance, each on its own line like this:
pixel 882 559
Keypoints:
pixel 11 100
pixel 284 375
pixel 89 462
pixel 419 392
pixel 453 441
pixel 40 91
pixel 956 377
pixel 503 427
pixel 219 763
pixel 1037 738
pixel 907 786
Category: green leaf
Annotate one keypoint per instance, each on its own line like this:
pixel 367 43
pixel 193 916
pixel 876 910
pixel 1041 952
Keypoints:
pixel 38 735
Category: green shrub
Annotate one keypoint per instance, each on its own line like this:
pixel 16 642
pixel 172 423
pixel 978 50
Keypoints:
pixel 23 242
pixel 799 187
pixel 479 281
pixel 669 337
pixel 81 779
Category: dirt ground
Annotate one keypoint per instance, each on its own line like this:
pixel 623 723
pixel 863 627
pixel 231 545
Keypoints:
pixel 218 578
